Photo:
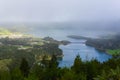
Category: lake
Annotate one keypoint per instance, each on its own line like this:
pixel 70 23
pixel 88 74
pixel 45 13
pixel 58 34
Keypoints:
pixel 72 50
pixel 86 53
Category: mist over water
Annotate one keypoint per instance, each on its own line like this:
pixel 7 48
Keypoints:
pixel 60 32
pixel 61 18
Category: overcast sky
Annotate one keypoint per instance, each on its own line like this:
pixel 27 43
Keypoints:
pixel 59 10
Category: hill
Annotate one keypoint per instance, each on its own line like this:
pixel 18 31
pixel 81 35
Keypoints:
pixel 109 45
pixel 5 32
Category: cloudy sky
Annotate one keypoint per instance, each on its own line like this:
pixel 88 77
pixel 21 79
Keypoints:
pixel 59 10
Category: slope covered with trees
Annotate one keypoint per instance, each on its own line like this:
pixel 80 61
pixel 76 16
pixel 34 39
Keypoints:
pixel 109 45
pixel 49 70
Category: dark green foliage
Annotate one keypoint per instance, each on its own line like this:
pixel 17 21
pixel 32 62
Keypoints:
pixel 44 62
pixel 113 74
pixel 49 70
pixel 52 70
pixel 32 76
pixel 16 74
pixel 38 72
pixel 53 62
pixel 24 67
pixel 85 70
pixel 69 75
pixel 92 69
pixel 5 75
pixel 11 52
pixel 78 65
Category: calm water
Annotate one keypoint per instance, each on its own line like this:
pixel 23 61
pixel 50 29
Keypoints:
pixel 86 53
pixel 70 51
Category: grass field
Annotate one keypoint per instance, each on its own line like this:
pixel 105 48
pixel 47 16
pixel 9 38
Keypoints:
pixel 114 52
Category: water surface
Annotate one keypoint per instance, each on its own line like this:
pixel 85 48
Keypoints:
pixel 86 53
pixel 72 50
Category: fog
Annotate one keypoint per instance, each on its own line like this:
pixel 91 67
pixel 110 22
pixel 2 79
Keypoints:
pixel 59 10
pixel 61 17
pixel 60 31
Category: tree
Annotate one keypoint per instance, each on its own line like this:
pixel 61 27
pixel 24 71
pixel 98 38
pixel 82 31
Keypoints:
pixel 32 77
pixel 69 75
pixel 38 71
pixel 16 74
pixel 92 69
pixel 52 72
pixel 45 62
pixel 114 74
pixel 5 75
pixel 53 62
pixel 78 64
pixel 24 67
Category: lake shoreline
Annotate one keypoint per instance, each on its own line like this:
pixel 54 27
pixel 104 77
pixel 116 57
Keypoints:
pixel 71 50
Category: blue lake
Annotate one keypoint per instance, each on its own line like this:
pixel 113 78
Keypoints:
pixel 86 53
pixel 72 50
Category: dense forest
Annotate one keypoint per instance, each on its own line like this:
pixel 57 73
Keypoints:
pixel 50 70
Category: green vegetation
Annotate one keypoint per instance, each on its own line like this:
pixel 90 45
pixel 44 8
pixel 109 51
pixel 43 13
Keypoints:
pixel 49 70
pixel 36 59
pixel 113 74
pixel 109 45
pixel 4 31
pixel 4 64
pixel 24 67
pixel 114 52
pixel 32 48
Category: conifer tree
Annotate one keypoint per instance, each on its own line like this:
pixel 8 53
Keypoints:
pixel 77 64
pixel 24 67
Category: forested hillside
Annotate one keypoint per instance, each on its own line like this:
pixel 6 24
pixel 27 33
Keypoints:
pixel 109 45
pixel 49 70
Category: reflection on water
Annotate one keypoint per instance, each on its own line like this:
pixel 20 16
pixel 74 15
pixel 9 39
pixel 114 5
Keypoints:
pixel 86 53
pixel 70 51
